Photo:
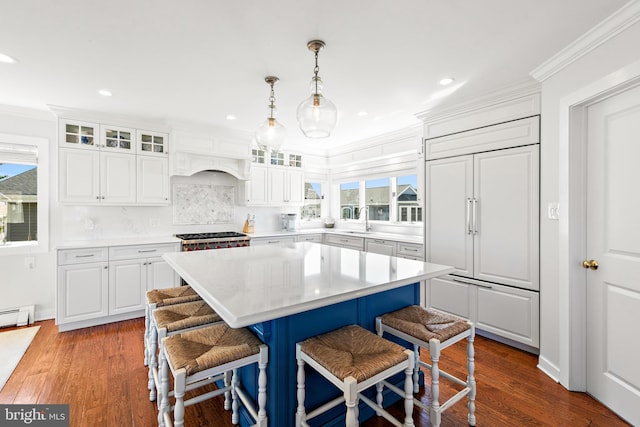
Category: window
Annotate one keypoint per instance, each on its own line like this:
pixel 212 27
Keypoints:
pixel 391 199
pixel 349 200
pixel 23 193
pixel 312 207
pixel 376 199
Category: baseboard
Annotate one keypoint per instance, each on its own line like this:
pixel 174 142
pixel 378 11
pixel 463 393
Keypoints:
pixel 551 370
pixel 507 341
pixel 64 327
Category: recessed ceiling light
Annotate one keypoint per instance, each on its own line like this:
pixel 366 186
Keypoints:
pixel 6 59
pixel 362 114
pixel 446 81
pixel 104 92
pixel 230 117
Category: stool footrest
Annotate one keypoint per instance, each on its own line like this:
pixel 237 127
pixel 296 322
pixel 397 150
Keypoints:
pixel 380 411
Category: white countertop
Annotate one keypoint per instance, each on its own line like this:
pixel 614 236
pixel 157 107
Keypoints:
pixel 124 241
pixel 259 283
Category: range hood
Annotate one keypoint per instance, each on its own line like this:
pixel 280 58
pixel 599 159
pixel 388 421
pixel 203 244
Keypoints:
pixel 197 150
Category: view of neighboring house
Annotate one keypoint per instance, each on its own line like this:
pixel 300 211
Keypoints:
pixel 377 199
pixel 19 207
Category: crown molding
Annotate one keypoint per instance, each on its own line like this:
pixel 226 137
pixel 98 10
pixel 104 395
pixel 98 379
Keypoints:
pixel 517 90
pixel 616 23
pixel 25 112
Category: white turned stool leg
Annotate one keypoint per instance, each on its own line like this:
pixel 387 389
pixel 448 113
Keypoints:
pixel 179 386
pixel 152 353
pixel 434 413
pixel 164 406
pixel 262 387
pixel 146 335
pixel 379 398
pixel 416 368
pixel 235 382
pixel 300 413
pixel 409 385
pixel 471 380
pixel 350 399
pixel 227 395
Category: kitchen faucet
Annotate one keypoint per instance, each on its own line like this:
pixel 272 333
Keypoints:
pixel 367 226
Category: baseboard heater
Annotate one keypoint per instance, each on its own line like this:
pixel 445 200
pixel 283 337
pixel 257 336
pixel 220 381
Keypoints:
pixel 17 316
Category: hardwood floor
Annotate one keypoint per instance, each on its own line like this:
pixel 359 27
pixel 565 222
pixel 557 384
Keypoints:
pixel 99 372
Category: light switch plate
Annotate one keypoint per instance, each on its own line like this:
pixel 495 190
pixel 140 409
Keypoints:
pixel 553 211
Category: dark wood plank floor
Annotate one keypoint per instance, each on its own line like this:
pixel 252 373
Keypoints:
pixel 99 372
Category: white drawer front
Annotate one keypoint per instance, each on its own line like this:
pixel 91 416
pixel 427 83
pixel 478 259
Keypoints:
pixel 345 241
pixel 411 250
pixel 316 238
pixel 81 256
pixel 141 251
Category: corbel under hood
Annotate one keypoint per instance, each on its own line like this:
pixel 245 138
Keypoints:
pixel 196 151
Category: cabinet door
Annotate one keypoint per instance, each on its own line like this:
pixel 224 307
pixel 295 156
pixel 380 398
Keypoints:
pixel 117 139
pixel 295 190
pixel 448 194
pixel 277 186
pixel 509 312
pixel 82 292
pixel 83 135
pixel 127 285
pixel 258 185
pixel 152 143
pixel 506 217
pixel 153 180
pixel 378 246
pixel 445 294
pixel 160 275
pixel 117 178
pixel 79 176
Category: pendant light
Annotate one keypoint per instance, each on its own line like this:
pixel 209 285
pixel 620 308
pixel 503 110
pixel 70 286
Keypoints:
pixel 271 134
pixel 316 115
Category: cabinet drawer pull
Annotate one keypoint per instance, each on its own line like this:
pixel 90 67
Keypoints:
pixel 273 241
pixel 146 251
pixel 85 256
pixel 473 283
pixel 410 250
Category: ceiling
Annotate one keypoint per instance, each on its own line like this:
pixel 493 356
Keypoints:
pixel 201 60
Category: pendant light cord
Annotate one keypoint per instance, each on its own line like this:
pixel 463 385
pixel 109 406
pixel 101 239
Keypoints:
pixel 315 71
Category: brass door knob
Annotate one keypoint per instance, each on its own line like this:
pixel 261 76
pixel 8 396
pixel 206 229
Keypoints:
pixel 592 264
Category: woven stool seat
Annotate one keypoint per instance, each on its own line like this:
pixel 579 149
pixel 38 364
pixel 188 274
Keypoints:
pixel 353 351
pixel 205 348
pixel 434 331
pixel 425 324
pixel 170 296
pixel 353 359
pixel 212 354
pixel 182 316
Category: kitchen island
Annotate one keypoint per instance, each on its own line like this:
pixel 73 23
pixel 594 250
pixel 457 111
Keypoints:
pixel 287 293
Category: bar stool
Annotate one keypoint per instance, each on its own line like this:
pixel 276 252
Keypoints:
pixel 161 298
pixel 434 331
pixel 353 359
pixel 170 320
pixel 203 356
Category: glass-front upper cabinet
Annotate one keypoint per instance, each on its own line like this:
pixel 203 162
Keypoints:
pixel 153 143
pixel 75 134
pixel 114 138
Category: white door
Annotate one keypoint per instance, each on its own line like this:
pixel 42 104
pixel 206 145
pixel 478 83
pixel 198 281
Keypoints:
pixel 127 285
pixel 613 241
pixel 160 275
pixel 153 180
pixel 505 217
pixel 117 178
pixel 448 197
pixel 79 175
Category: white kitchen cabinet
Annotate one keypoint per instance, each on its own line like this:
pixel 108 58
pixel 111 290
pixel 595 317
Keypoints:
pixel 275 186
pixel 106 284
pixel 91 177
pixel 505 311
pixel 413 251
pixel 82 290
pixel 351 242
pixel 152 179
pixel 482 215
pixel 150 143
pixel 380 246
pixel 257 188
pixel 117 139
pixel 77 134
pixel 315 238
pixel 273 240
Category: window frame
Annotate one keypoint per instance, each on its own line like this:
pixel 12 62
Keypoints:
pixel 42 244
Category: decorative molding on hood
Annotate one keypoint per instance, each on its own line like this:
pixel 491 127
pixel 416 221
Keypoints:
pixel 198 148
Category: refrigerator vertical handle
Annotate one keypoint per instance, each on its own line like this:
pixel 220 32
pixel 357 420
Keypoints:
pixel 469 231
pixel 475 216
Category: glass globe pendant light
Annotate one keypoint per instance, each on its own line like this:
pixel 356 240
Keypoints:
pixel 317 116
pixel 270 134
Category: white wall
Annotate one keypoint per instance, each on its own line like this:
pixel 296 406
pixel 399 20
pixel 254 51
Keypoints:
pixel 607 58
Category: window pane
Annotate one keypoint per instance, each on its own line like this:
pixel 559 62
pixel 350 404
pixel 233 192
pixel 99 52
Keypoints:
pixel 349 200
pixel 312 201
pixel 376 194
pixel 407 199
pixel 18 202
